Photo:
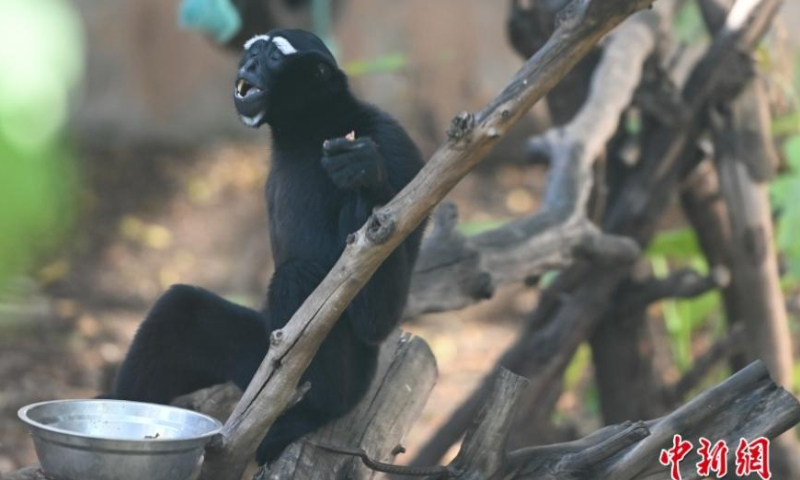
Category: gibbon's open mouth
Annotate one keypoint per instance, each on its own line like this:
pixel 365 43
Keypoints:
pixel 245 89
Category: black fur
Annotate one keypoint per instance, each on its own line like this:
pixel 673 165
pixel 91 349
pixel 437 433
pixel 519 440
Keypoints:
pixel 322 187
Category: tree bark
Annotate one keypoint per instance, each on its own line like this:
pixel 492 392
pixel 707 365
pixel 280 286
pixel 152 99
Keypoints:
pixel 748 405
pixel 406 375
pixel 559 325
pixel 470 137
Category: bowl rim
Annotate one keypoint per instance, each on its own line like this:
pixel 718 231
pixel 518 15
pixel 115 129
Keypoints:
pixel 22 413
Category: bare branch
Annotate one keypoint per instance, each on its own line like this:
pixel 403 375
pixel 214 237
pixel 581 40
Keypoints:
pixel 747 405
pixel 454 271
pixel 543 350
pixel 470 138
pixel 683 283
pixel 559 326
pixel 405 376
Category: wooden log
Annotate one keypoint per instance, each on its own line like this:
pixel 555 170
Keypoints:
pixel 27 473
pixel 747 405
pixel 470 137
pixel 405 376
pixel 635 213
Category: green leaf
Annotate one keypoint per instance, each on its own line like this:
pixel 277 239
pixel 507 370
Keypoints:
pixel 548 278
pixel 633 124
pixel 792 150
pixel 780 191
pixel 785 196
pixel 577 367
pixel 679 244
pixel 787 124
pixel 689 26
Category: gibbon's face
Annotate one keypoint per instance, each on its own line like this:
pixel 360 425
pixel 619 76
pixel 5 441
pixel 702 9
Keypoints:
pixel 284 73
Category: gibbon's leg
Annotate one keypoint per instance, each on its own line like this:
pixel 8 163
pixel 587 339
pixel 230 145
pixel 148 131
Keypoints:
pixel 192 339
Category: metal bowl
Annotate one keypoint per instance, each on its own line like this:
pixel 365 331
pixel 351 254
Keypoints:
pixel 117 440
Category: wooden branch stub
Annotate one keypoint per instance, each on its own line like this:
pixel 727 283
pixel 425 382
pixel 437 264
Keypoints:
pixel 380 226
pixel 748 405
pixel 448 274
pixel 682 283
pixel 27 473
pixel 276 338
pixel 461 126
pixel 405 376
pixel 602 249
pixel 483 452
pixel 571 15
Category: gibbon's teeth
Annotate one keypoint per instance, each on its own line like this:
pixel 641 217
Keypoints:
pixel 244 89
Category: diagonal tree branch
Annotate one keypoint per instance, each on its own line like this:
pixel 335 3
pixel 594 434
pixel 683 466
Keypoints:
pixel 573 308
pixel 470 137
pixel 557 326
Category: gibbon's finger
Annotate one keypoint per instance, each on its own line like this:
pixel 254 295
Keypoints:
pixel 342 144
pixel 334 163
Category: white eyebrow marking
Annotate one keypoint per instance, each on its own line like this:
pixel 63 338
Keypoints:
pixel 255 39
pixel 284 46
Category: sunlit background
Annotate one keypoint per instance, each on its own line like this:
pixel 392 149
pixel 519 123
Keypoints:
pixel 123 170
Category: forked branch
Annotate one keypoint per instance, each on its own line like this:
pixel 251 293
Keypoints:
pixel 469 139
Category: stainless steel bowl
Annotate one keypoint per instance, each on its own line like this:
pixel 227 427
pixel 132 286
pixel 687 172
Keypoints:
pixel 117 440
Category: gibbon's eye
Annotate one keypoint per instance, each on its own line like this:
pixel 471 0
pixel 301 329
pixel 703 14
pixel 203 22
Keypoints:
pixel 274 54
pixel 322 71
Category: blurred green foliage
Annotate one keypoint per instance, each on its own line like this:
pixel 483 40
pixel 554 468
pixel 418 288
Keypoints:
pixel 785 190
pixel 479 226
pixel 688 25
pixel 679 249
pixel 391 62
pixel 797 74
pixel 785 195
pixel 41 63
pixel 786 124
pixel 680 244
pixel 575 379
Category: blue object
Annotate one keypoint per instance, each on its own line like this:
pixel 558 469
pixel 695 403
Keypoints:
pixel 218 19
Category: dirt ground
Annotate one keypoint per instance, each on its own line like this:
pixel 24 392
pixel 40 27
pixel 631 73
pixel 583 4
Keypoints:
pixel 156 217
